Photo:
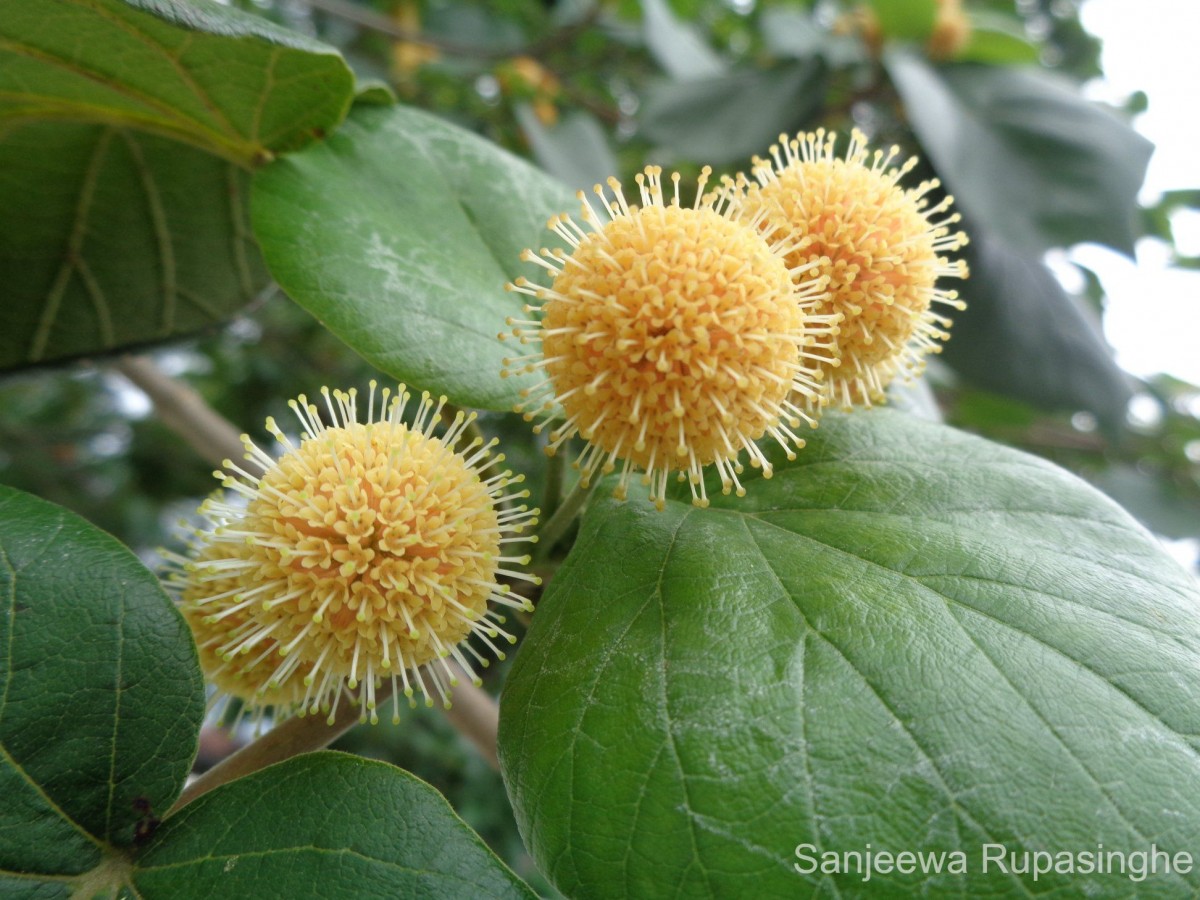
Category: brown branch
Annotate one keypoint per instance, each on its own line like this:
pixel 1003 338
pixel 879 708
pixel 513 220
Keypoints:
pixel 301 734
pixel 184 411
pixel 476 716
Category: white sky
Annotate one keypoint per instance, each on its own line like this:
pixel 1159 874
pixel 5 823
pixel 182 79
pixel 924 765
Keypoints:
pixel 1153 313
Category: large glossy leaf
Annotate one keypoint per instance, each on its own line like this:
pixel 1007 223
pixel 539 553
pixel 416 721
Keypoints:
pixel 910 639
pixel 100 698
pixel 399 234
pixel 1024 153
pixel 711 119
pixel 1023 336
pixel 322 825
pixel 126 127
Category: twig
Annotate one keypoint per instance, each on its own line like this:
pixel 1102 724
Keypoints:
pixel 301 734
pixel 476 716
pixel 184 411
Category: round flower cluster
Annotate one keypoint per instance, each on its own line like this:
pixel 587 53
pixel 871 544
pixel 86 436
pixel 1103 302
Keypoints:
pixel 672 337
pixel 368 551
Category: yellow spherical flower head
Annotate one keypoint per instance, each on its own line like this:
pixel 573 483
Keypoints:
pixel 671 338
pixel 369 550
pixel 878 243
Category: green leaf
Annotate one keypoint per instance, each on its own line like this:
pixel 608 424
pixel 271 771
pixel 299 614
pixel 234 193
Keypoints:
pixel 1025 153
pixel 795 34
pixel 227 82
pixel 100 697
pixel 574 149
pixel 994 414
pixel 678 46
pixel 372 91
pixel 127 129
pixel 322 825
pixel 399 234
pixel 711 120
pixel 998 39
pixel 1023 336
pixel 906 20
pixel 1152 497
pixel 111 238
pixel 910 638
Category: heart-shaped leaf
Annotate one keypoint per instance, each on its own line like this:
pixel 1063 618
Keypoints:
pixel 1025 153
pixel 908 640
pixel 100 699
pixel 399 234
pixel 322 825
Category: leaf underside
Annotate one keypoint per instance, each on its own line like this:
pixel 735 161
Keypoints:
pixel 128 129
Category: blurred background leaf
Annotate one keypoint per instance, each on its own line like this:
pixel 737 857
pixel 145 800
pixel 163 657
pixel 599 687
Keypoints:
pixel 729 118
pixel 574 148
pixel 676 45
pixel 1022 335
pixel 1024 155
pixel 905 20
